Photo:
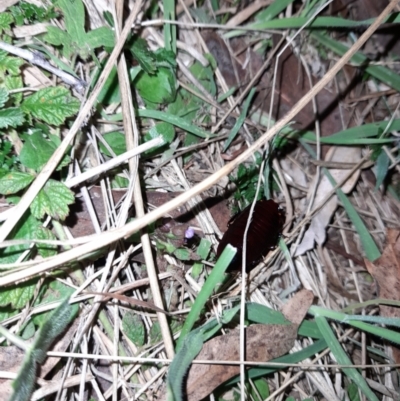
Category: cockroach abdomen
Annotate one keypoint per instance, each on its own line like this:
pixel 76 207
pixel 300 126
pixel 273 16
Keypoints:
pixel 263 234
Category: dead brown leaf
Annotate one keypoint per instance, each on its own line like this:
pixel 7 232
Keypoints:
pixel 386 272
pixel 263 343
pixel 10 361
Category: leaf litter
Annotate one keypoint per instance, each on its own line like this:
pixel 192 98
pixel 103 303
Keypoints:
pixel 326 268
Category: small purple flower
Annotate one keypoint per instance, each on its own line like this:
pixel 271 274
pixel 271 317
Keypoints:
pixel 189 233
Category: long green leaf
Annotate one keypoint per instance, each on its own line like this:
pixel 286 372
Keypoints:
pixel 371 250
pixel 379 72
pixel 298 22
pixel 174 120
pixel 216 276
pixel 342 358
pixel 356 135
pixel 190 347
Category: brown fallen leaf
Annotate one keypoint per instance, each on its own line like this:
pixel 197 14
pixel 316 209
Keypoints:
pixel 386 272
pixel 263 343
pixel 10 362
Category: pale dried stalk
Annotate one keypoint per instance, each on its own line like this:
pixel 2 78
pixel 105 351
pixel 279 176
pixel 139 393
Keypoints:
pixel 132 141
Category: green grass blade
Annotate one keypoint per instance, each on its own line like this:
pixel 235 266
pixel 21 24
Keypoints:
pixel 215 278
pixel 174 120
pixel 356 135
pixel 296 357
pixel 273 10
pixel 379 72
pixel 240 120
pixel 342 358
pixel 371 250
pixel 362 322
pixel 191 346
pixel 298 22
pixel 169 29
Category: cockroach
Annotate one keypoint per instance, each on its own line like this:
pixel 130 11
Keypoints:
pixel 263 234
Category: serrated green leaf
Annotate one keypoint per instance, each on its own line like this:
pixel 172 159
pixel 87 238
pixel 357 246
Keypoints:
pixel 31 12
pixel 10 64
pixel 102 36
pixel 52 105
pixel 3 96
pixel 116 141
pixel 133 327
pixel 14 181
pixel 53 200
pixel 155 333
pixel 36 151
pixel 26 229
pixel 74 18
pixel 6 19
pixel 165 58
pixel 17 296
pixel 7 312
pixel 11 83
pixel 45 250
pixel 11 117
pixel 143 55
pixel 56 36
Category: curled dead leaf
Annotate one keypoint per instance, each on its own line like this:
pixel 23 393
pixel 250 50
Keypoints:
pixel 263 343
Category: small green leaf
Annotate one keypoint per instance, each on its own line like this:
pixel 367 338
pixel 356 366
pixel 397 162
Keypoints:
pixel 74 17
pixel 155 333
pixel 56 36
pixel 143 55
pixel 116 141
pixel 10 64
pixel 14 181
pixel 51 105
pixel 17 296
pixel 26 229
pixel 36 151
pixel 45 250
pixel 6 19
pixel 262 389
pixel 11 83
pixel 29 331
pixel 3 96
pixel 11 117
pixel 165 130
pixel 157 88
pixel 382 168
pixel 53 200
pixel 182 254
pixel 102 36
pixel 197 269
pixel 133 327
pixel 204 248
pixel 54 292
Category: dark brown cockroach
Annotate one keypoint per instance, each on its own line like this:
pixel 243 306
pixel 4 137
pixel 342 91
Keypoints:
pixel 263 234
